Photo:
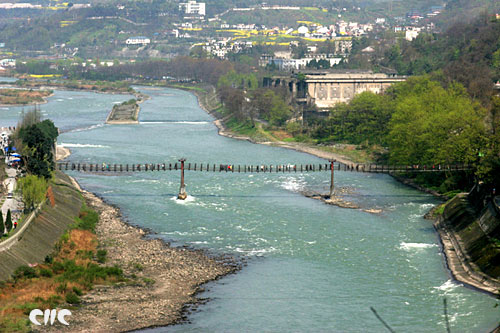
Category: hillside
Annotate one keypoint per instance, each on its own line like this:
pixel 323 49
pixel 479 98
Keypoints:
pixel 466 52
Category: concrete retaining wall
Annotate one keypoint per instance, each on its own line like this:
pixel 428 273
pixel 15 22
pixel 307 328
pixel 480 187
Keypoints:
pixel 468 239
pixel 37 240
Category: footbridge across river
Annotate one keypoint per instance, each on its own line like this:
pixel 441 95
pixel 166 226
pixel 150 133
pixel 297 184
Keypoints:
pixel 331 166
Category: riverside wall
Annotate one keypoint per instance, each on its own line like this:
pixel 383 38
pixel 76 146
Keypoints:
pixel 37 240
pixel 470 242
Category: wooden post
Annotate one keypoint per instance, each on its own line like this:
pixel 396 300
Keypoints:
pixel 332 167
pixel 182 190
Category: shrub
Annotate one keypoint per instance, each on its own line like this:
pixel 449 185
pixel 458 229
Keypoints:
pixel 101 256
pixel 72 298
pixel 24 271
pixel 61 289
pixel 53 301
pixel 77 291
pixel 46 272
pixel 57 267
pixel 48 259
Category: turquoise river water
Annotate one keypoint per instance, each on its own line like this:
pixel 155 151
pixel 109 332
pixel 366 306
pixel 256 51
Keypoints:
pixel 311 267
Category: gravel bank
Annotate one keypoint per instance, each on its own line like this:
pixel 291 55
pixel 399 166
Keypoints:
pixel 163 279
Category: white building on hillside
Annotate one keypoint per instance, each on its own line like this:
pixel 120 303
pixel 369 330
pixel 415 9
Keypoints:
pixel 193 7
pixel 139 40
pixel 8 62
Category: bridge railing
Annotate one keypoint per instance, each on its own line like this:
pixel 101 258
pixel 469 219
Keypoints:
pixel 261 168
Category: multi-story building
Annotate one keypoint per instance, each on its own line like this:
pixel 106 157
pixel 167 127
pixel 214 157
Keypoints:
pixel 193 8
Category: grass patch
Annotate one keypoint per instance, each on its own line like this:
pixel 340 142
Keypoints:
pixel 181 86
pixel 354 153
pixel 440 209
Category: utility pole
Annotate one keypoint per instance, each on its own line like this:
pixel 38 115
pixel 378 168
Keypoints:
pixel 332 167
pixel 182 190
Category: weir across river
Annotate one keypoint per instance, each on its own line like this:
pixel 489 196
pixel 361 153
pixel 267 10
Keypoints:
pixel 331 166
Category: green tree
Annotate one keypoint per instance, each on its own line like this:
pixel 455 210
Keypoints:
pixel 38 144
pixel 33 190
pixel 433 125
pixel 365 118
pixel 8 221
pixel 2 226
pixel 280 111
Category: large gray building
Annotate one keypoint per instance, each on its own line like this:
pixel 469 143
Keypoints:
pixel 327 88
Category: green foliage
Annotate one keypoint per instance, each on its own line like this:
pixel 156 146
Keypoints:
pixel 2 226
pixel 318 64
pixel 48 259
pixel 87 220
pixel 440 209
pixel 77 291
pixel 27 307
pixel 489 166
pixel 33 190
pixel 101 256
pixel 271 106
pixel 432 125
pixel 238 80
pixel 38 140
pixel 148 281
pixel 72 298
pixel 8 221
pixel 293 128
pixel 365 118
pixel 61 288
pixel 466 52
pixel 130 102
pixel 89 273
pixel 46 272
pixel 24 272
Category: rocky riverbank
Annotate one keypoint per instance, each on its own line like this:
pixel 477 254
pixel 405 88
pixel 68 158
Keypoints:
pixel 62 152
pixel 162 279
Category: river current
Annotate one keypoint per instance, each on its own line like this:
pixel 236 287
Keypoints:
pixel 311 267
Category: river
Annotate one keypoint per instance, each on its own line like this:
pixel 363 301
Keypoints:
pixel 311 267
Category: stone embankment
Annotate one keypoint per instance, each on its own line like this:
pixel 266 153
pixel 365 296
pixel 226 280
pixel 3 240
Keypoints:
pixel 124 114
pixel 470 242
